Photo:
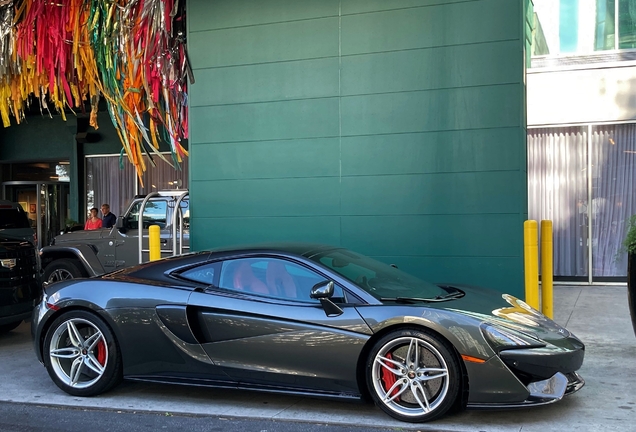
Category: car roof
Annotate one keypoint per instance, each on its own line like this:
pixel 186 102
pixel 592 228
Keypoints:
pixel 165 193
pixel 295 248
pixel 155 270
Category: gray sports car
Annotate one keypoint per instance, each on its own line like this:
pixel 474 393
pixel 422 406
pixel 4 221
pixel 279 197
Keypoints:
pixel 304 319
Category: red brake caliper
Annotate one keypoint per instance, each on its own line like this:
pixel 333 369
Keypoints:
pixel 388 379
pixel 101 352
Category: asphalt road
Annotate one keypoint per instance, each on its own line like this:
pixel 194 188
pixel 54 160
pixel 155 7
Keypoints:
pixel 15 417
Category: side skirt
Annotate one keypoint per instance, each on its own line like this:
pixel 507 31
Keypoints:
pixel 198 382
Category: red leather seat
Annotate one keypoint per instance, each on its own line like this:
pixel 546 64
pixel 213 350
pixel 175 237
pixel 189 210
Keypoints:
pixel 279 282
pixel 245 280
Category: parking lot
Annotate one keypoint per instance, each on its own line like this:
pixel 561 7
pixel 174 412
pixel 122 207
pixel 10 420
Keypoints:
pixel 598 315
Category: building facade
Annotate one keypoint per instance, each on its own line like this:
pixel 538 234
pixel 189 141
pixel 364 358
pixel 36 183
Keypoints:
pixel 396 128
pixel 582 132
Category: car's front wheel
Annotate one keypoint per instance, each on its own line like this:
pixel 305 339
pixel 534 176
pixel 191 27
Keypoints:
pixel 81 354
pixel 62 269
pixel 413 376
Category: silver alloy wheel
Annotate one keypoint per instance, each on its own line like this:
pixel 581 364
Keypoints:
pixel 410 376
pixel 60 274
pixel 75 352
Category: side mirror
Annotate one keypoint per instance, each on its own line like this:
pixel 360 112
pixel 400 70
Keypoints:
pixel 323 291
pixel 120 224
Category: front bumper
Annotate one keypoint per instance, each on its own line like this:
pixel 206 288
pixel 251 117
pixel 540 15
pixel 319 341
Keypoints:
pixel 536 364
pixel 528 376
pixel 542 392
pixel 16 312
pixel 15 318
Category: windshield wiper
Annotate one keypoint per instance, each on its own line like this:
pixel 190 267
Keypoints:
pixel 450 296
pixel 439 298
pixel 416 299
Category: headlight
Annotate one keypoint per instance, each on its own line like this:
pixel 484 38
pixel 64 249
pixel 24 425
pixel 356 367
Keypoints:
pixel 501 338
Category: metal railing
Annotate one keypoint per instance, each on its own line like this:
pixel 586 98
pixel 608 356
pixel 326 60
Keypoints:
pixel 174 231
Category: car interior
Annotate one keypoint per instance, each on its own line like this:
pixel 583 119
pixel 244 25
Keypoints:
pixel 270 277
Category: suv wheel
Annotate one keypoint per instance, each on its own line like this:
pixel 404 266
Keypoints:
pixel 62 269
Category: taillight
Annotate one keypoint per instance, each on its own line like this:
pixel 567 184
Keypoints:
pixel 49 301
pixel 52 306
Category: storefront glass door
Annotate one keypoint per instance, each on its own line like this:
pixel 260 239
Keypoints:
pixel 583 178
pixel 46 204
pixel 558 191
pixel 613 182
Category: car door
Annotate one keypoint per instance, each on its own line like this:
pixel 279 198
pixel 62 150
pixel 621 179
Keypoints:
pixel 261 326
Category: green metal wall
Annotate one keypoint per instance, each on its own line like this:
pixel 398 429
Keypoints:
pixel 395 128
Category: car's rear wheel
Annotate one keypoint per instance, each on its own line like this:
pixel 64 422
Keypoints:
pixel 413 375
pixel 81 354
pixel 62 269
pixel 6 328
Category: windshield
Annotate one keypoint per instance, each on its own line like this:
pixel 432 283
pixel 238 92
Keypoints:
pixel 13 218
pixel 378 279
pixel 154 214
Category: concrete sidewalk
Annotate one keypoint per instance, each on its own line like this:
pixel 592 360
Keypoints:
pixel 598 315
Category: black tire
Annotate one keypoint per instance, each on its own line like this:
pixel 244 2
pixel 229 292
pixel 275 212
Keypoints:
pixel 413 385
pixel 62 269
pixel 81 354
pixel 6 328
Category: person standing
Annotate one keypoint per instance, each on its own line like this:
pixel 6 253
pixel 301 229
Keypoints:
pixel 93 222
pixel 109 219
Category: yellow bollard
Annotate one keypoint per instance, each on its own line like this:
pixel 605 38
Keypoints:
pixel 547 304
pixel 531 262
pixel 154 242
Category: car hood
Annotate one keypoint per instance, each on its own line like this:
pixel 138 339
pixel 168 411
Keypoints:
pixel 81 236
pixel 506 310
pixel 9 243
pixel 20 234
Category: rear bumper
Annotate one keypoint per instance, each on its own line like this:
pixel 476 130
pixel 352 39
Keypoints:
pixel 542 392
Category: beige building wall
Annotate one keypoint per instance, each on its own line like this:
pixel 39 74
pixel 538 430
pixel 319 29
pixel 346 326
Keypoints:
pixel 570 96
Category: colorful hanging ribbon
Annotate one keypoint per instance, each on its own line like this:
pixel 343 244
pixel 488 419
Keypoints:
pixel 69 53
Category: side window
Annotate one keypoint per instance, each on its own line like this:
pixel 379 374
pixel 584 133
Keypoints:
pixel 184 208
pixel 203 274
pixel 154 214
pixel 271 277
pixel 132 218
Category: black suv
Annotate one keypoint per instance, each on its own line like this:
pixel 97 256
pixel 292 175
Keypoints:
pixel 19 287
